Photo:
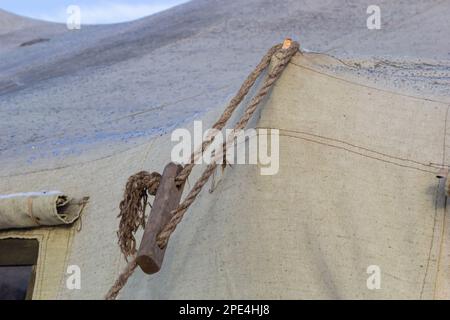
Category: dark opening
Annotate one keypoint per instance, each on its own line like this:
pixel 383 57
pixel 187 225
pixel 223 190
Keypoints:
pixel 18 258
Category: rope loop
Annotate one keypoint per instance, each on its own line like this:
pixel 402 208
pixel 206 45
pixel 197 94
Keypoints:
pixel 142 184
pixel 284 55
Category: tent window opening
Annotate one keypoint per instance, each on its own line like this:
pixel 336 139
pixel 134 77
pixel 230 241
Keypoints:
pixel 18 258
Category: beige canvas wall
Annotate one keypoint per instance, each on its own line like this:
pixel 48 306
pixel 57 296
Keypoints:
pixel 355 188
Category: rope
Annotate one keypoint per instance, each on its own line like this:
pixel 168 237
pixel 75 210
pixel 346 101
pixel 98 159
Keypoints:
pixel 121 280
pixel 142 184
pixel 232 105
pixel 132 208
pixel 274 74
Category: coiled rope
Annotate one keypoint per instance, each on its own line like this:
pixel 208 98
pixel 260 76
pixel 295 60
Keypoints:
pixel 142 184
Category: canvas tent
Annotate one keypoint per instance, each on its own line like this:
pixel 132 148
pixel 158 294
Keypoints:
pixel 356 188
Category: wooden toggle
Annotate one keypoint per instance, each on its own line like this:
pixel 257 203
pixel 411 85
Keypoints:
pixel 150 256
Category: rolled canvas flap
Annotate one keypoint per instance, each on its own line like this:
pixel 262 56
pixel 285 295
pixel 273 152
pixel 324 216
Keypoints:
pixel 34 209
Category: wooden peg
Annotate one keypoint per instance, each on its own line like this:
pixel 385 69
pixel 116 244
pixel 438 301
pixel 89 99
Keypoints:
pixel 150 256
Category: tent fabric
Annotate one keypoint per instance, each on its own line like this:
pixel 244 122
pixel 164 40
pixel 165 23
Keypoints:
pixel 34 209
pixel 355 189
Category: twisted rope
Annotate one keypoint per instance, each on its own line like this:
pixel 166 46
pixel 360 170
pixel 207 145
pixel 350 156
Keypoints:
pixel 121 280
pixel 142 184
pixel 274 74
pixel 226 115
